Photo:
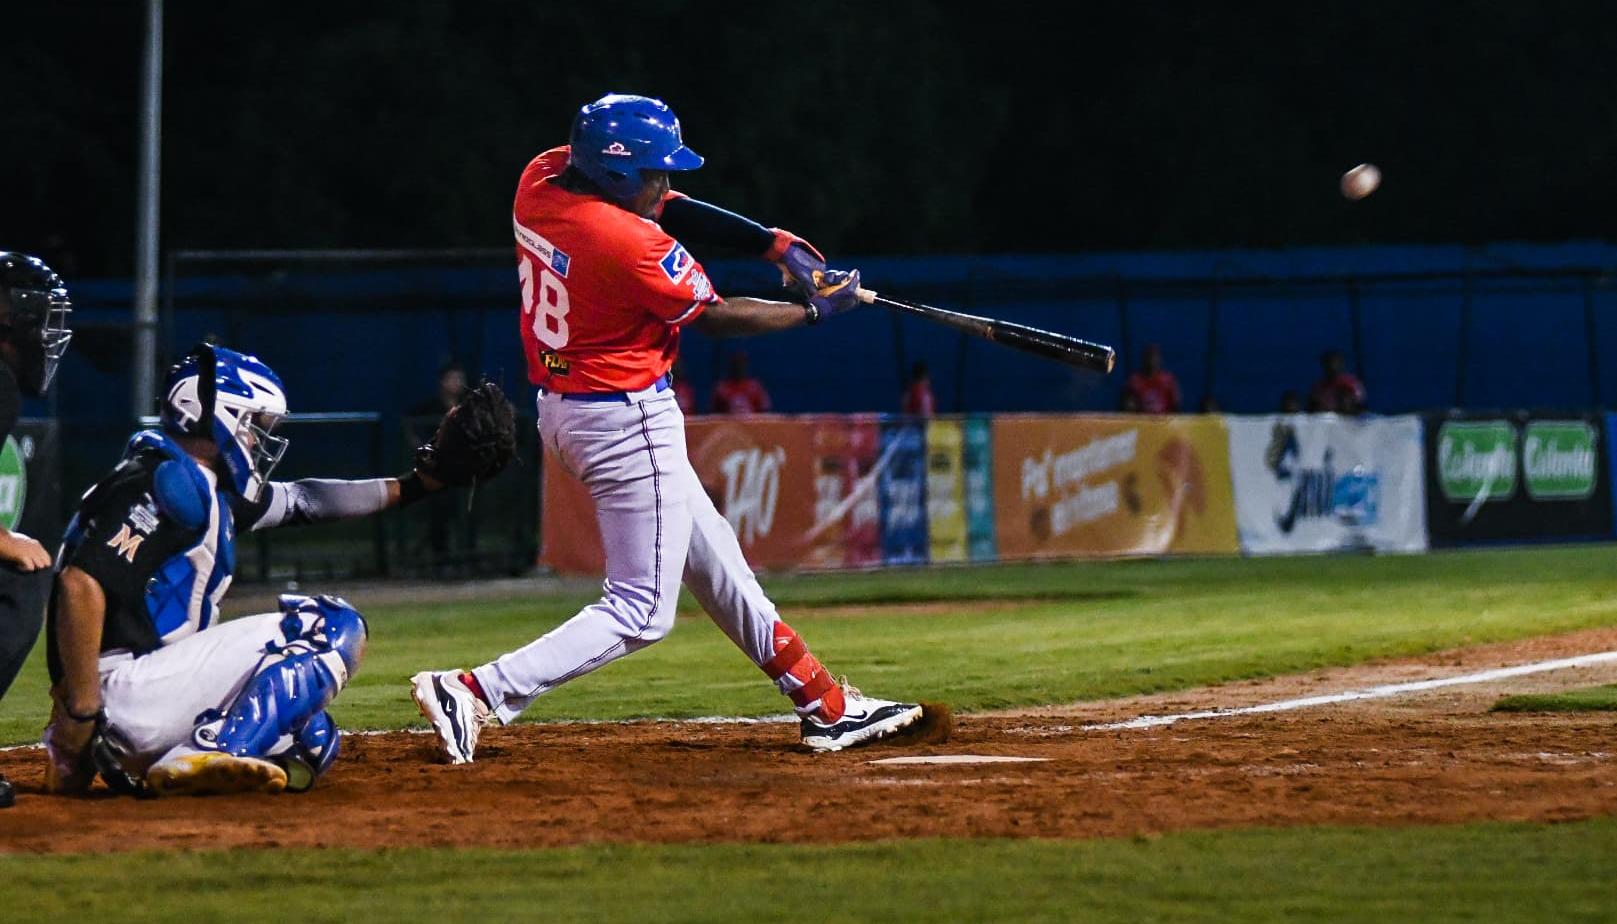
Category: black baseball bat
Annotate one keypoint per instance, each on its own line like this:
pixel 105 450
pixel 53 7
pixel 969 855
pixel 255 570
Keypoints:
pixel 1059 347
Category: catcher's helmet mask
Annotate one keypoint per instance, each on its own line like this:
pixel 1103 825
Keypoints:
pixel 36 319
pixel 235 401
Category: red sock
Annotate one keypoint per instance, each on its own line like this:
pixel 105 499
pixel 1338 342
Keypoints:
pixel 469 680
pixel 801 676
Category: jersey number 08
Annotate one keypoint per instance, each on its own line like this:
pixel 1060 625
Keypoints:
pixel 548 306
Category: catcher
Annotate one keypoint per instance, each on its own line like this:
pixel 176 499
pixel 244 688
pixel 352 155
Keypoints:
pixel 149 689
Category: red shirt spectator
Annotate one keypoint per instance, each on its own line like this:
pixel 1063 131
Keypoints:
pixel 1153 389
pixel 918 399
pixel 685 397
pixel 1338 391
pixel 740 393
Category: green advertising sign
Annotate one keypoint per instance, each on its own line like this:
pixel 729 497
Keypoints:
pixel 1477 460
pixel 13 484
pixel 1559 459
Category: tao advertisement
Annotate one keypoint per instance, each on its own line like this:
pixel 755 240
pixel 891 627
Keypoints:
pixel 1322 483
pixel 800 492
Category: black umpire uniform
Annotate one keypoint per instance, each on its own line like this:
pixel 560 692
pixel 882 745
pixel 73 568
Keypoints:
pixel 34 310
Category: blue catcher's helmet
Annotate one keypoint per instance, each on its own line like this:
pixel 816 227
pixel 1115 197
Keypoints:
pixel 234 400
pixel 617 136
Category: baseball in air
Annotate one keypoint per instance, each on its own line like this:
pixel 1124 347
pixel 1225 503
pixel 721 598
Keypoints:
pixel 1361 181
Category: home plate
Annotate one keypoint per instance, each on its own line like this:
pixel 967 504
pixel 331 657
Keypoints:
pixel 959 759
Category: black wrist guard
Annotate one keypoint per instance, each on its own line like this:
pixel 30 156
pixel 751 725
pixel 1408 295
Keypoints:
pixel 411 489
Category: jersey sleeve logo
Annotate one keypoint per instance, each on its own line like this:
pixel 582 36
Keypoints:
pixel 701 287
pixel 677 263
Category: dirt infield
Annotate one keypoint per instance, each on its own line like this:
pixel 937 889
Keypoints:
pixel 1431 758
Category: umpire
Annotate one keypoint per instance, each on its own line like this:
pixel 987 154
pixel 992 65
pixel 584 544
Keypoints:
pixel 34 312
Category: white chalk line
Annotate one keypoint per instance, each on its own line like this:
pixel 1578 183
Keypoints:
pixel 958 759
pixel 1145 721
pixel 699 720
pixel 1381 692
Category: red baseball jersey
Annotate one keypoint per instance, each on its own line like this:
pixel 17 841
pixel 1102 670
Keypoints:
pixel 604 291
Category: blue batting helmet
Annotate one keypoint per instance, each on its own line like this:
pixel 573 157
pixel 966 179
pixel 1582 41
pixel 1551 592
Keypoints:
pixel 235 401
pixel 617 136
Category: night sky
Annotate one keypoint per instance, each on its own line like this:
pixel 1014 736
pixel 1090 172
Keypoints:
pixel 877 128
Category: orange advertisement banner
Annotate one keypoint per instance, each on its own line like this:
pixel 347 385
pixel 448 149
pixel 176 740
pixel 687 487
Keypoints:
pixel 1114 485
pixel 773 478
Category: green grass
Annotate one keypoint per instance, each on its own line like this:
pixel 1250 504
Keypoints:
pixel 1065 632
pixel 1488 872
pixel 1592 699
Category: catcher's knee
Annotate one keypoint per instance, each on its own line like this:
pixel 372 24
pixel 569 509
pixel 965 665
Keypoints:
pixel 292 683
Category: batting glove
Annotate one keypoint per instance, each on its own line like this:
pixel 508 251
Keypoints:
pixel 798 261
pixel 834 291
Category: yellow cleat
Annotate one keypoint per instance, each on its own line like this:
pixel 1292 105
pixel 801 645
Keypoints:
pixel 211 774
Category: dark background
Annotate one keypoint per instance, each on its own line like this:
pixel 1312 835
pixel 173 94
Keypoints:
pixel 881 128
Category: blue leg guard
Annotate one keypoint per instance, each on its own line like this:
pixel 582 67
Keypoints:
pixel 309 752
pixel 292 685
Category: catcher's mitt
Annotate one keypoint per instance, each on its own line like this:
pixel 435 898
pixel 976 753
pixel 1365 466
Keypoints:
pixel 474 441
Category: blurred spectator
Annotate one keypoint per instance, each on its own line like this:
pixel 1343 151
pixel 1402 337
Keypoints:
pixel 442 507
pixel 684 394
pixel 1290 402
pixel 918 399
pixel 1130 403
pixel 451 385
pixel 1338 391
pixel 739 392
pixel 1154 389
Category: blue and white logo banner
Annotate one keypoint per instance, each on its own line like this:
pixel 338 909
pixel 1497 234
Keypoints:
pixel 1322 483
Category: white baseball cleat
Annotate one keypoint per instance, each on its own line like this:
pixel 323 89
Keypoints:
pixel 211 773
pixel 456 713
pixel 864 719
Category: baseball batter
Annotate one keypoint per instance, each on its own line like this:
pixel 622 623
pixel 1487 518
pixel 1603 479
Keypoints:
pixel 606 288
pixel 149 690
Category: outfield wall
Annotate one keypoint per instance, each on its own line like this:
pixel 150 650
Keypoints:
pixel 866 491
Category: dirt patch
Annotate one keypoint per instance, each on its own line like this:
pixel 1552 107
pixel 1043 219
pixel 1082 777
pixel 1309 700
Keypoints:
pixel 1432 758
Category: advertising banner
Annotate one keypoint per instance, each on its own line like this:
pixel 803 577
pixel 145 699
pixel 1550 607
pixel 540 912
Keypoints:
pixel 902 492
pixel 1501 478
pixel 801 492
pixel 1320 483
pixel 31 481
pixel 946 490
pixel 1111 485
pixel 847 514
pixel 759 471
pixel 977 459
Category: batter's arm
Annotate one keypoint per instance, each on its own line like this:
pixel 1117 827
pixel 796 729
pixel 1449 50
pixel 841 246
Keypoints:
pixel 739 317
